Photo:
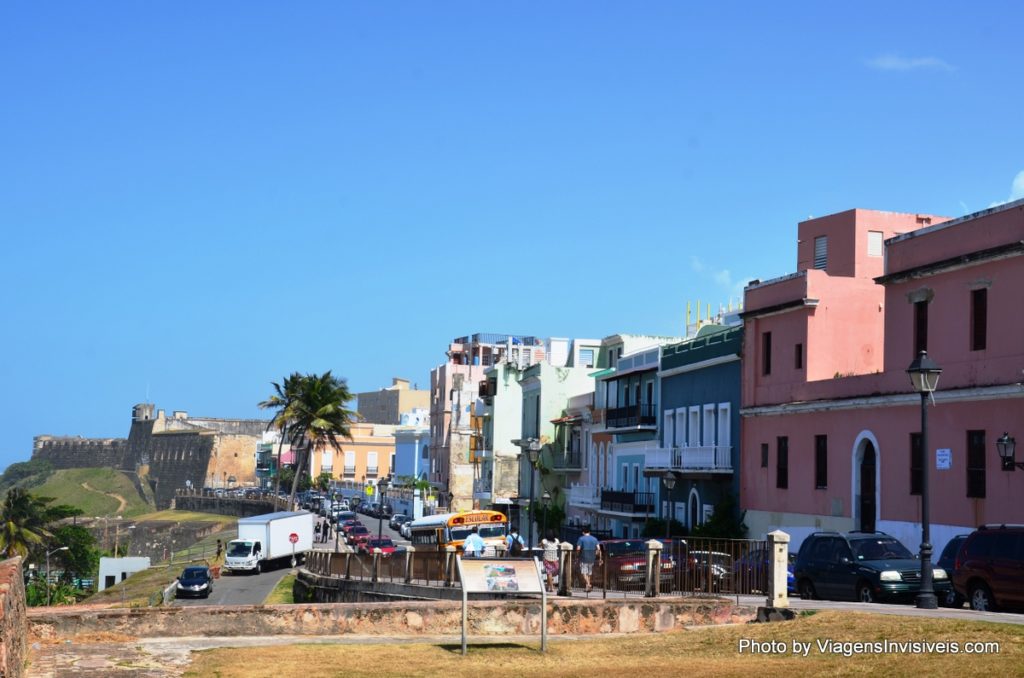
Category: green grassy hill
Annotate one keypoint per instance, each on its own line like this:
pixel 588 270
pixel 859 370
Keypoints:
pixel 97 491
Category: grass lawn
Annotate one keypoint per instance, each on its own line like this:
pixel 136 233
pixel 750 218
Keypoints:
pixel 186 516
pixel 703 652
pixel 282 593
pixel 90 489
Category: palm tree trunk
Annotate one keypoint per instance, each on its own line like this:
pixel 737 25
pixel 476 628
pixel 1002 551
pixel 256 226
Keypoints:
pixel 277 469
pixel 298 471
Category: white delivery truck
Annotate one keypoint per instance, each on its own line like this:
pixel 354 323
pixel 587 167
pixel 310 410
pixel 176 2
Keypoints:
pixel 285 536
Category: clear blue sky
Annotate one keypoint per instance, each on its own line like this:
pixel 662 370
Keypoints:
pixel 199 198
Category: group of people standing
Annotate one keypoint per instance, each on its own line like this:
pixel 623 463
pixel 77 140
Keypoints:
pixel 322 532
pixel 588 548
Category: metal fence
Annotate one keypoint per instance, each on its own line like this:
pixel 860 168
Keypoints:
pixel 626 567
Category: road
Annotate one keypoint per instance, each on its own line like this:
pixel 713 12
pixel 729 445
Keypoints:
pixel 239 589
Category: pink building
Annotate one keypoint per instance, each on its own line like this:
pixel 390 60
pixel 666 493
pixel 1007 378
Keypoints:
pixel 830 423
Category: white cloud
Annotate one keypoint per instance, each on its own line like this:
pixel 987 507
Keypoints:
pixel 893 62
pixel 1016 190
pixel 723 278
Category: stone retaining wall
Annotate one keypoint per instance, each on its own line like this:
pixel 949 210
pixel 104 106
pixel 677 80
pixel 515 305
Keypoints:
pixel 12 619
pixel 225 506
pixel 486 618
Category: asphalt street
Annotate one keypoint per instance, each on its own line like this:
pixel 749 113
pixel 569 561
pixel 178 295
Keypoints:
pixel 239 589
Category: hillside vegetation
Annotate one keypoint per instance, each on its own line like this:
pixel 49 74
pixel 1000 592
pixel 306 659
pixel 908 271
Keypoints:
pixel 25 474
pixel 97 491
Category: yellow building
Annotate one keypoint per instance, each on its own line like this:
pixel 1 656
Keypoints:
pixel 366 458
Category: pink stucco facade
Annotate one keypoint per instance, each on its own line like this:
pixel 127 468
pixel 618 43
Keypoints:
pixel 856 320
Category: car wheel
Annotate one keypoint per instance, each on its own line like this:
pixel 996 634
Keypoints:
pixel 953 599
pixel 981 598
pixel 865 593
pixel 807 591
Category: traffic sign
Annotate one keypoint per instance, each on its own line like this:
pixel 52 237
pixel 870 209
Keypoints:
pixel 369 490
pixel 293 538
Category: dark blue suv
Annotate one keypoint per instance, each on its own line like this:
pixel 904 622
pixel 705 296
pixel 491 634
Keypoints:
pixel 864 566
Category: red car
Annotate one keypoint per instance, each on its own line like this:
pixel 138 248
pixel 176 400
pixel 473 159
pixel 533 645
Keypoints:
pixel 348 525
pixel 386 546
pixel 356 534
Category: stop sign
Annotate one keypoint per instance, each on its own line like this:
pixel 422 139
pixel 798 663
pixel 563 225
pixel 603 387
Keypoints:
pixel 293 538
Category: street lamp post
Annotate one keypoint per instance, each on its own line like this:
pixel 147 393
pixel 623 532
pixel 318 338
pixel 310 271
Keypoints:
pixel 381 486
pixel 48 554
pixel 670 482
pixel 924 375
pixel 533 450
pixel 545 499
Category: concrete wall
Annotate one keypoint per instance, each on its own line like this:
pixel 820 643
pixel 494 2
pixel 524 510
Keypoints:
pixel 13 624
pixel 486 618
pixel 224 506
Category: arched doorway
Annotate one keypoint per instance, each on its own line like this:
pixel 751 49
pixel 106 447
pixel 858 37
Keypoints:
pixel 867 490
pixel 693 509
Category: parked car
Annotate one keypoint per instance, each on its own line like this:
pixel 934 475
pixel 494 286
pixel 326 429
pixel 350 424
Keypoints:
pixel 626 563
pixel 397 520
pixel 194 581
pixel 864 566
pixel 406 529
pixel 342 517
pixel 752 570
pixel 947 561
pixel 712 571
pixel 989 568
pixel 386 546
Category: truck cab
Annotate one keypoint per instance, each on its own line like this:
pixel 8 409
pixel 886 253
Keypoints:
pixel 243 555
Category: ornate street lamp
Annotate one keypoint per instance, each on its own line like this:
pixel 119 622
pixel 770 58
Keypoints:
pixel 533 451
pixel 924 375
pixel 670 481
pixel 1006 446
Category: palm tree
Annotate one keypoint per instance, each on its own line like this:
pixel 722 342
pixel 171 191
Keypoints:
pixel 281 400
pixel 318 416
pixel 23 521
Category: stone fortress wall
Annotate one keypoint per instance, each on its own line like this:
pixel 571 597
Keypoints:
pixel 170 452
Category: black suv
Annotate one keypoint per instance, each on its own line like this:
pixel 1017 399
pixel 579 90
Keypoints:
pixel 864 566
pixel 990 567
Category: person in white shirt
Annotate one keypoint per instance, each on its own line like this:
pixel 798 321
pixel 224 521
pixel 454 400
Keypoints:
pixel 473 546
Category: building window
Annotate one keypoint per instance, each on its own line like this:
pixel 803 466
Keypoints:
pixel 587 357
pixel 764 455
pixel 916 463
pixel 875 243
pixel 979 319
pixel 821 462
pixel 766 353
pixel 821 252
pixel 782 462
pixel 798 356
pixel 976 464
pixel 920 327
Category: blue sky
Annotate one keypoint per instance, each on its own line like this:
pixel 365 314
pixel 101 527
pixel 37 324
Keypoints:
pixel 197 199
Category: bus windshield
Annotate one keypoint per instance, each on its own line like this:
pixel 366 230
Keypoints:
pixel 485 531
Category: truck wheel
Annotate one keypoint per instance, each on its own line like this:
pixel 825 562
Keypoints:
pixel 259 568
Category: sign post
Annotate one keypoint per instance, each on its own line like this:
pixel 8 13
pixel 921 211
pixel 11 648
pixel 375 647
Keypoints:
pixel 494 575
pixel 293 538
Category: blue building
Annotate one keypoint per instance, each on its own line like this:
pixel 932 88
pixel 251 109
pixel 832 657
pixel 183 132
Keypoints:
pixel 700 424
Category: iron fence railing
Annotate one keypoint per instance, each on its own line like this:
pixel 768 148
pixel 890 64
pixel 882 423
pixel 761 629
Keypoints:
pixel 625 567
pixel 624 501
pixel 630 416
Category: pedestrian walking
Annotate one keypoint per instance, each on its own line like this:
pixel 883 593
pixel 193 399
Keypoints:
pixel 473 546
pixel 514 544
pixel 550 545
pixel 590 552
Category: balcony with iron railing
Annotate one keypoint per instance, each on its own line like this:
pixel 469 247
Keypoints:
pixel 350 470
pixel 695 459
pixel 624 501
pixel 371 471
pixel 640 417
pixel 570 460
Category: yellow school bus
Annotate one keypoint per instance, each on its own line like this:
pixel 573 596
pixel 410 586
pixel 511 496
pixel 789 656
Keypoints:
pixel 451 529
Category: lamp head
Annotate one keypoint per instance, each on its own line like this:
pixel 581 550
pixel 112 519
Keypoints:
pixel 924 373
pixel 669 480
pixel 1007 447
